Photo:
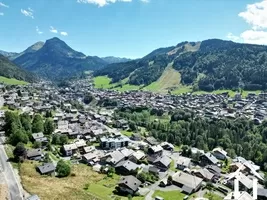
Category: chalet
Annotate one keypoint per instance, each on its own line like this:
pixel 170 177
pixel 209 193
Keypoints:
pixel 188 183
pixel 219 153
pixel 129 184
pixel 122 124
pixel 136 137
pixel 137 156
pixel 183 162
pixel 155 150
pixel 205 174
pixel 208 159
pixel 113 158
pixel 214 169
pixel 239 196
pixel 163 162
pixel 167 146
pixel 246 184
pixel 151 141
pixel 125 167
pixel 70 149
pixel 46 169
pixel 39 137
pixel 262 194
pixel 34 154
pixel 90 158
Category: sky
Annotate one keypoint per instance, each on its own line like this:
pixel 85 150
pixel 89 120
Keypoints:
pixel 129 28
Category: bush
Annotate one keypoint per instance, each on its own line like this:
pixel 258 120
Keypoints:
pixel 63 169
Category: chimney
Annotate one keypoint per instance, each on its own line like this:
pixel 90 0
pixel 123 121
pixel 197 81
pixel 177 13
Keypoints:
pixel 255 188
pixel 236 188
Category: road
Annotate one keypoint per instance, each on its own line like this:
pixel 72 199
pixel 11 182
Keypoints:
pixel 7 170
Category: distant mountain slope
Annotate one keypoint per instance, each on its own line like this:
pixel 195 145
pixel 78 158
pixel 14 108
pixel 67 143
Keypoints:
pixel 8 54
pixel 56 60
pixel 207 65
pixel 112 59
pixel 10 70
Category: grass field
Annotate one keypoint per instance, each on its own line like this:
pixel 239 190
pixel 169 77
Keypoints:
pixel 127 133
pixel 102 82
pixel 170 78
pixel 11 81
pixel 70 188
pixel 170 195
pixel 213 196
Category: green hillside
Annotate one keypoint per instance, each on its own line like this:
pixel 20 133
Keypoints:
pixel 11 81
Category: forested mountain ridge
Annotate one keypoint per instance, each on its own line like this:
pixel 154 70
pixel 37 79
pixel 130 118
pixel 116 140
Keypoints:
pixel 55 60
pixel 208 65
pixel 10 70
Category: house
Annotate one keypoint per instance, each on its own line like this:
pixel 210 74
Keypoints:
pixel 122 123
pixel 262 194
pixel 167 146
pixel 163 162
pixel 151 141
pixel 127 152
pixel 34 154
pixel 183 162
pixel 214 169
pixel 136 137
pixel 137 156
pixel 188 183
pixel 39 137
pixel 46 169
pixel 90 157
pixel 113 158
pixel 126 167
pixel 70 149
pixel 219 153
pixel 155 150
pixel 238 196
pixel 208 159
pixel 246 183
pixel 88 149
pixel 129 184
pixel 205 174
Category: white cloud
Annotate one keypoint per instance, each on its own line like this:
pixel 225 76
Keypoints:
pixel 38 30
pixel 254 37
pixel 30 9
pixel 1 14
pixel 101 3
pixel 256 15
pixel 53 30
pixel 3 5
pixel 145 1
pixel 232 37
pixel 64 33
pixel 27 13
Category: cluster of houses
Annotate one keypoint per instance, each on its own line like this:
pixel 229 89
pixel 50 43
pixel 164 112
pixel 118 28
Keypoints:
pixel 92 141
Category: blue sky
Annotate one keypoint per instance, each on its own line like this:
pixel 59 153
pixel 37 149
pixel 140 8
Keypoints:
pixel 129 28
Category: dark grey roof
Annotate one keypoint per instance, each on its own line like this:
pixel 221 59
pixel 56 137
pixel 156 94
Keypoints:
pixel 262 192
pixel 131 182
pixel 164 160
pixel 211 157
pixel 127 164
pixel 34 153
pixel 46 168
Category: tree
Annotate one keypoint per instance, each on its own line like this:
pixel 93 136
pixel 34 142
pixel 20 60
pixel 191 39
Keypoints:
pixel 25 120
pixel 63 139
pixel 48 114
pixel 63 169
pixel 12 122
pixel 37 124
pixel 88 98
pixel 37 145
pixel 20 152
pixel 49 126
pixel 55 139
pixel 18 136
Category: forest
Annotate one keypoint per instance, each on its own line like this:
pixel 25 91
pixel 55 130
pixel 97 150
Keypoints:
pixel 215 64
pixel 239 137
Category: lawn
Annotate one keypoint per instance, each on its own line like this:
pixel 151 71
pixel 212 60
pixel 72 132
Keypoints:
pixel 213 196
pixel 11 81
pixel 127 133
pixel 127 87
pixel 182 89
pixel 102 82
pixel 170 195
pixel 105 187
pixel 70 188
